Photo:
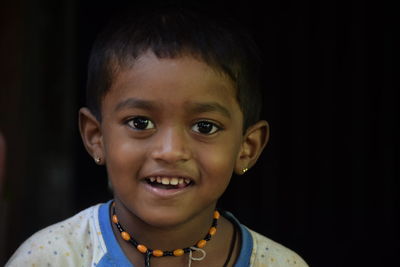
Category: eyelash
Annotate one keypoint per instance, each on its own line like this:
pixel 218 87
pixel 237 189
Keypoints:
pixel 132 121
pixel 212 127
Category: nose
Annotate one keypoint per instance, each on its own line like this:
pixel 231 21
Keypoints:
pixel 171 145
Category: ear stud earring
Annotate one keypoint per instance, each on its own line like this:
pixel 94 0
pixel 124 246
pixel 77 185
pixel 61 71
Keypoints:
pixel 244 170
pixel 97 160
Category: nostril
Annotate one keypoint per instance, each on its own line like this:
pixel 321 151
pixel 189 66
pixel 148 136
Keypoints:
pixel 169 153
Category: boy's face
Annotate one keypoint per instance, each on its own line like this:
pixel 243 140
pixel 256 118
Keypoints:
pixel 170 136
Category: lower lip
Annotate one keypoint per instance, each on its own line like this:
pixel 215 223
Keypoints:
pixel 166 193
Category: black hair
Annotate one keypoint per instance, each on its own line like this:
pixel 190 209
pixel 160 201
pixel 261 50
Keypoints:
pixel 171 33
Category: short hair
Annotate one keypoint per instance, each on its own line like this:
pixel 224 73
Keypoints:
pixel 172 33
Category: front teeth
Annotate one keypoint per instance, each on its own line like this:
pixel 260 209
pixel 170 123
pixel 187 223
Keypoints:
pixel 169 180
pixel 174 181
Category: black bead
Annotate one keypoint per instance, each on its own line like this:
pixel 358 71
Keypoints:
pixel 186 250
pixel 168 253
pixel 133 242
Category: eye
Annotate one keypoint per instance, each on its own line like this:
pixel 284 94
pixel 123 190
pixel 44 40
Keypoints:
pixel 141 123
pixel 205 127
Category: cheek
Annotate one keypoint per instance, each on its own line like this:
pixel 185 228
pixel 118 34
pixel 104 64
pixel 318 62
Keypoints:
pixel 218 163
pixel 120 154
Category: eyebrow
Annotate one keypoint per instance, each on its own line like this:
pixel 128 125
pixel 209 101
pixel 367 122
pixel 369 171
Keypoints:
pixel 193 107
pixel 134 103
pixel 209 107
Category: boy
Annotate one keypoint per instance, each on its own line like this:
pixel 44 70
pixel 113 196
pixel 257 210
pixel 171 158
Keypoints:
pixel 173 108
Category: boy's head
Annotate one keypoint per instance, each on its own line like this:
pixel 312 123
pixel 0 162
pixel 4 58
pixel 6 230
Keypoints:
pixel 172 33
pixel 169 95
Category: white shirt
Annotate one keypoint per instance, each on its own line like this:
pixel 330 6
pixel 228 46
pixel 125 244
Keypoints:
pixel 87 239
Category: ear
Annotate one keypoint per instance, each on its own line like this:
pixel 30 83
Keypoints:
pixel 254 141
pixel 90 130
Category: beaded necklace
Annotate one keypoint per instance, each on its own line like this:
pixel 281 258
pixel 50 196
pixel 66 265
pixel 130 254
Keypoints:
pixel 148 252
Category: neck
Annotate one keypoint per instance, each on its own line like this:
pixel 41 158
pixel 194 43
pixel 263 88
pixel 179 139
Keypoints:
pixel 161 235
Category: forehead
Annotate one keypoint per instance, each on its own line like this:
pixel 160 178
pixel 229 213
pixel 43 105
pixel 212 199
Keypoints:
pixel 171 81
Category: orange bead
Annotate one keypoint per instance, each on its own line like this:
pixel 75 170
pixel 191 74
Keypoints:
pixel 125 236
pixel 115 219
pixel 178 252
pixel 212 231
pixel 216 215
pixel 158 253
pixel 202 243
pixel 142 248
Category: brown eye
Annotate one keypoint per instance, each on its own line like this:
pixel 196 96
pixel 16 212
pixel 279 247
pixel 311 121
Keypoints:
pixel 141 123
pixel 205 127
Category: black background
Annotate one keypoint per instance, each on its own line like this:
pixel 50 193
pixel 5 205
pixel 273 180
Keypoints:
pixel 327 184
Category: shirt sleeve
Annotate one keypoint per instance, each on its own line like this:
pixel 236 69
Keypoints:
pixel 269 253
pixel 68 243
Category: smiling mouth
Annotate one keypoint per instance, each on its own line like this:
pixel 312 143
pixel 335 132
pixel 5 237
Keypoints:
pixel 169 182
